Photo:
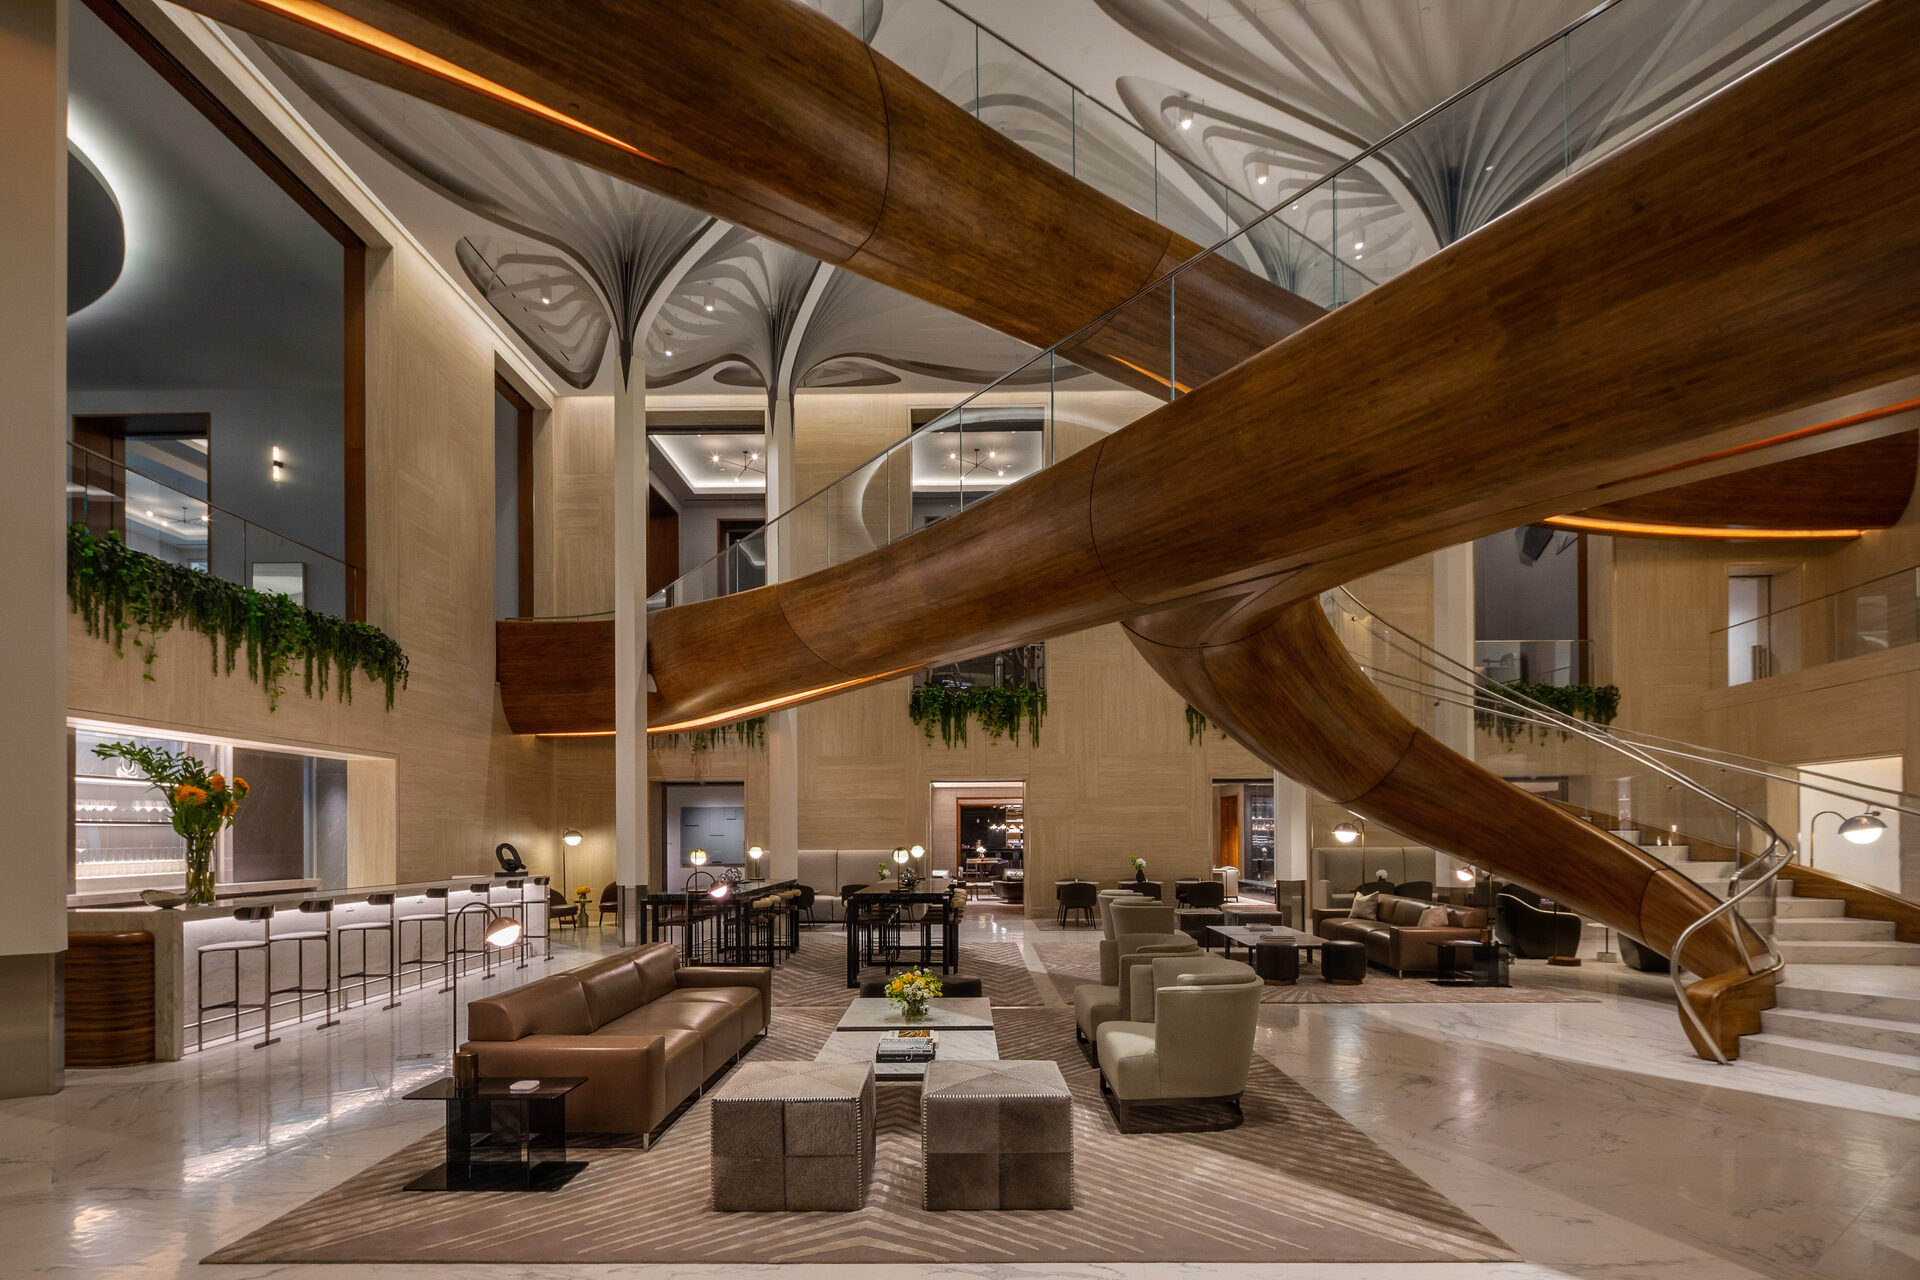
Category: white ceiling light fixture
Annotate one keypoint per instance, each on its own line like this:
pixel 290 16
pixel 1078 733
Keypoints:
pixel 1184 117
pixel 279 468
pixel 1259 175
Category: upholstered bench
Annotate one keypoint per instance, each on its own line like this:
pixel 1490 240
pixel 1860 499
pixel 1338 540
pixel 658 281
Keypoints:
pixel 793 1135
pixel 996 1135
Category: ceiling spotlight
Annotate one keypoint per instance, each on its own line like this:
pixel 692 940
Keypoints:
pixel 990 453
pixel 709 305
pixel 149 515
pixel 1488 169
pixel 1359 244
pixel 1185 118
pixel 952 457
pixel 1356 257
pixel 669 352
pixel 546 299
pixel 1259 175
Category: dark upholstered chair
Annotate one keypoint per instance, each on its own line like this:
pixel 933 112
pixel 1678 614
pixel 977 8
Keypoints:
pixel 804 903
pixel 609 903
pixel 1641 957
pixel 560 911
pixel 1075 895
pixel 1422 889
pixel 955 988
pixel 1533 933
pixel 1199 893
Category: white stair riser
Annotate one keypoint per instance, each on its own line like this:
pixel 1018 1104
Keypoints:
pixel 1801 1024
pixel 1802 1055
pixel 1859 1004
pixel 1793 908
pixel 1832 930
pixel 1850 952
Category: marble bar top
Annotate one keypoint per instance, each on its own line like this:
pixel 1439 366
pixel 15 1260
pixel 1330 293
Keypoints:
pixel 292 895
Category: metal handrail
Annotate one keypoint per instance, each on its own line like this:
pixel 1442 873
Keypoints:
pixel 1776 855
pixel 233 515
pixel 1167 279
pixel 1911 569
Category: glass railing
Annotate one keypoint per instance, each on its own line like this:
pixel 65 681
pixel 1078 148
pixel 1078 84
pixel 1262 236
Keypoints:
pixel 104 496
pixel 1561 662
pixel 1611 76
pixel 1871 617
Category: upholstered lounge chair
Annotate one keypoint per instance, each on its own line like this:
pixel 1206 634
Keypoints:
pixel 1531 932
pixel 1132 926
pixel 1194 1042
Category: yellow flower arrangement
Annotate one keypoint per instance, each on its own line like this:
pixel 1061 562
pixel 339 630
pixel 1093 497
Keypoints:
pixel 188 794
pixel 910 991
pixel 202 802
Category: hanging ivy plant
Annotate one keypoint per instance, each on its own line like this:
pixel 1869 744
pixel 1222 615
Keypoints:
pixel 1597 704
pixel 116 589
pixel 1000 711
pixel 1197 724
pixel 748 733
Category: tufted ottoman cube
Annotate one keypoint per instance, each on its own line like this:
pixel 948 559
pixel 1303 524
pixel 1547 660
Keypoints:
pixel 793 1136
pixel 996 1135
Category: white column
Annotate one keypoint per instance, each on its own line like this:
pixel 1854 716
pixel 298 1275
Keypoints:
pixel 783 745
pixel 630 830
pixel 34 784
pixel 1453 635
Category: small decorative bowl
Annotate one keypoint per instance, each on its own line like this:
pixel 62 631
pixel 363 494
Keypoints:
pixel 165 899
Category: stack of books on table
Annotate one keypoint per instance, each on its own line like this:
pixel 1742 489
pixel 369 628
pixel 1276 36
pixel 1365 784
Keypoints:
pixel 906 1046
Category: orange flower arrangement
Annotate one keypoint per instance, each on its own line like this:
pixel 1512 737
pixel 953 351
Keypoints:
pixel 203 803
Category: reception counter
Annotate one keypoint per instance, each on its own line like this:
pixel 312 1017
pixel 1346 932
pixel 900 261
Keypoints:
pixel 180 932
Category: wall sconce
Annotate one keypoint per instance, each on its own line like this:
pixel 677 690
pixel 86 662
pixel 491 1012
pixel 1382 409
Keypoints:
pixel 279 469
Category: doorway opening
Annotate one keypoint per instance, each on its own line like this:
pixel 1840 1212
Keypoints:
pixel 978 830
pixel 1242 821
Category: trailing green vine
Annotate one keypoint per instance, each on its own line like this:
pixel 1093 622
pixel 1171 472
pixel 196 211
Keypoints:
pixel 1000 710
pixel 747 733
pixel 1597 704
pixel 1197 723
pixel 116 589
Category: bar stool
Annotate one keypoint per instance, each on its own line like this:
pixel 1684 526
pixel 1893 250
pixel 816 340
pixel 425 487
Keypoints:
pixel 517 909
pixel 264 915
pixel 419 964
pixel 457 948
pixel 300 938
pixel 364 932
pixel 546 894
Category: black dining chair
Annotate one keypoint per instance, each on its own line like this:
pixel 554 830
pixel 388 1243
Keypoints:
pixel 1075 895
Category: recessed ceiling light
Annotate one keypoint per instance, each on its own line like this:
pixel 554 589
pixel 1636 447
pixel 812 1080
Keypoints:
pixel 1488 169
pixel 1356 257
pixel 1359 244
pixel 669 351
pixel 716 457
pixel 709 306
pixel 546 299
pixel 1259 175
pixel 1185 118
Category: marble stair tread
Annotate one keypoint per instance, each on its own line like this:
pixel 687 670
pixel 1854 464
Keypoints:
pixel 1831 999
pixel 1849 952
pixel 1809 908
pixel 1899 1072
pixel 1834 928
pixel 1885 1035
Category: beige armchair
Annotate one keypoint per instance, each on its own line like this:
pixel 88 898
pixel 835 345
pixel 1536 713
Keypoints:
pixel 1194 1045
pixel 1131 926
pixel 1230 877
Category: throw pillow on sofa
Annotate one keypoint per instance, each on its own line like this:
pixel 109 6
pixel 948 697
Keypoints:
pixel 1366 906
pixel 1433 918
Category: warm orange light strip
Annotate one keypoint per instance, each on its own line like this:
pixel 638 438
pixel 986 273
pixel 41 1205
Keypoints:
pixel 1181 387
pixel 741 713
pixel 1694 530
pixel 354 31
pixel 1884 411
pixel 580 733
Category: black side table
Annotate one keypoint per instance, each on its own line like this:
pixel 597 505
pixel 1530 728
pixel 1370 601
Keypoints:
pixel 499 1140
pixel 1466 963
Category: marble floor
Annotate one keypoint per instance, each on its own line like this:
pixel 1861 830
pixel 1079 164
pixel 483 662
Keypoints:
pixel 1584 1134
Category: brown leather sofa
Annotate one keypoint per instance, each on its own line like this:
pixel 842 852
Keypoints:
pixel 1395 941
pixel 645 1033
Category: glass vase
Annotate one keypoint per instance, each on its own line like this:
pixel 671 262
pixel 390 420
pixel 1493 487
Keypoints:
pixel 199 870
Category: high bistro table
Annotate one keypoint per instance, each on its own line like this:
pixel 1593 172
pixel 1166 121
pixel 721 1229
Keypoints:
pixel 866 911
pixel 719 930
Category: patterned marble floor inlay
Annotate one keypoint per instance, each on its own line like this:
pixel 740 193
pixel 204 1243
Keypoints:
pixel 1295 1183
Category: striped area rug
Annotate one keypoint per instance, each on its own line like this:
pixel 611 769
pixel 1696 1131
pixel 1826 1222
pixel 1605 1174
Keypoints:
pixel 1295 1183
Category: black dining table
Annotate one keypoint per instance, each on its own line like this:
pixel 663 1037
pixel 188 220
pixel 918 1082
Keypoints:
pixel 862 918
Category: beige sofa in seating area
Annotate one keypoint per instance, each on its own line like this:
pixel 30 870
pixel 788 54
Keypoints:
pixel 645 1033
pixel 1397 940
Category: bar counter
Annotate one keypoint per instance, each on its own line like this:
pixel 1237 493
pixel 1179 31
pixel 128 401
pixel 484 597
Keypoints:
pixel 179 932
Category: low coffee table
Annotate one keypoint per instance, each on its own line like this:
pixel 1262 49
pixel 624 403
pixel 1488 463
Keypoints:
pixel 499 1140
pixel 963 1025
pixel 1232 935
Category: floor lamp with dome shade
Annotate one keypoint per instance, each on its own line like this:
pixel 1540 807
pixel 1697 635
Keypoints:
pixel 499 932
pixel 1861 828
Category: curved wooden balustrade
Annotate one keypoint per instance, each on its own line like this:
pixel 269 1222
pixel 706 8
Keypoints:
pixel 1733 278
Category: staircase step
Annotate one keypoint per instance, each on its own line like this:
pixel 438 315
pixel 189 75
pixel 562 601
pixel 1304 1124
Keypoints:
pixel 1830 929
pixel 1700 870
pixel 1794 908
pixel 1884 1035
pixel 1897 1071
pixel 1865 1004
pixel 1849 952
